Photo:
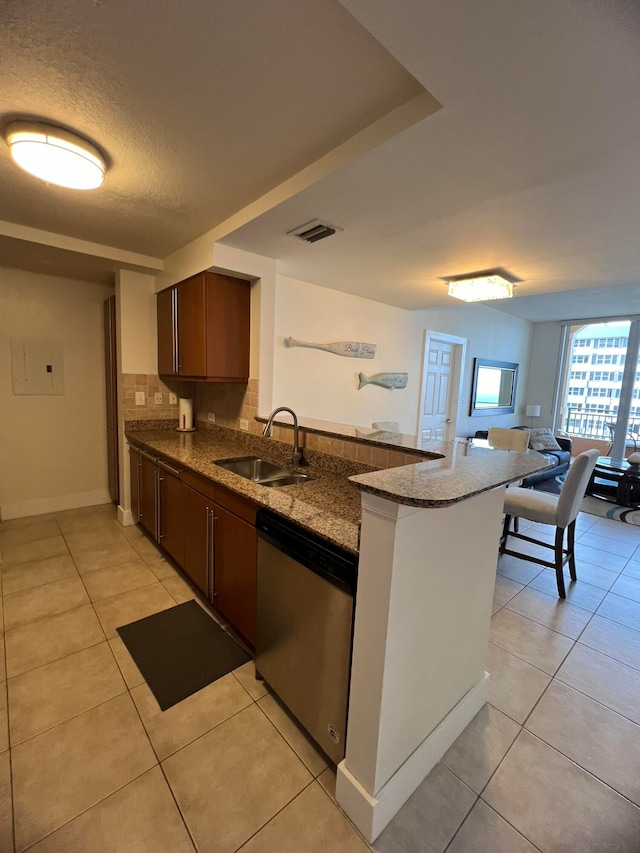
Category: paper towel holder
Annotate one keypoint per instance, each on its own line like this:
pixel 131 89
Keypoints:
pixel 186 415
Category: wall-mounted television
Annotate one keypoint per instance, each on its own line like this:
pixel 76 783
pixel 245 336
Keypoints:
pixel 493 391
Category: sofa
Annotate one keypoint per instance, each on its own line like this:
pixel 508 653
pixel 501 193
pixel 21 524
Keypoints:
pixel 560 458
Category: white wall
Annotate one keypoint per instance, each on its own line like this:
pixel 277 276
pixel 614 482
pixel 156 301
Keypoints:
pixel 321 385
pixel 137 324
pixel 490 334
pixel 54 453
pixel 544 365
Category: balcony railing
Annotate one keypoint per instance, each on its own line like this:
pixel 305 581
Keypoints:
pixel 597 425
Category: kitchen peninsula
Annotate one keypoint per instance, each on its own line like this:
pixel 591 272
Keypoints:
pixel 428 550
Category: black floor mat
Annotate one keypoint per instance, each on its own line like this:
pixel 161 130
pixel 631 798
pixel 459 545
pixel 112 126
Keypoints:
pixel 180 650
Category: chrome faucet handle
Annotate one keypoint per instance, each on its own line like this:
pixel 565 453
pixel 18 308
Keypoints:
pixel 297 457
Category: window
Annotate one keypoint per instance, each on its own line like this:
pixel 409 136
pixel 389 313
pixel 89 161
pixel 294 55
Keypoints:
pixel 593 398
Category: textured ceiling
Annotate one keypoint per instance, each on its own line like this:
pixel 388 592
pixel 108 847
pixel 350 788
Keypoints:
pixel 200 106
pixel 531 165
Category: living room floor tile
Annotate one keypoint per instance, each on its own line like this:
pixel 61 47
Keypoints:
pixel 311 822
pixel 627 586
pixel 307 751
pixel 29 575
pixel 30 552
pixel 51 694
pixel 514 685
pixel 579 593
pixel 114 580
pixel 613 639
pixel 551 611
pixel 533 643
pixel 46 528
pixel 484 831
pixel 558 806
pixel 632 569
pixel 4 717
pixel 233 780
pixel 505 589
pixel 178 589
pixel 82 519
pixel 130 606
pixel 126 663
pixel 606 680
pixel 431 816
pixel 593 575
pixel 567 720
pixel 102 556
pixel 481 747
pixel 186 721
pixel 50 599
pixel 47 640
pixel 246 675
pixel 6 806
pixel 142 816
pixel 620 609
pixel 611 545
pixel 518 570
pixel 88 758
pixel 600 557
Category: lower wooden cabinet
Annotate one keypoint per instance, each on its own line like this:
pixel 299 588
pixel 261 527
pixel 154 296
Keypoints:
pixel 210 534
pixel 234 571
pixel 135 471
pixel 171 515
pixel 156 501
pixel 198 554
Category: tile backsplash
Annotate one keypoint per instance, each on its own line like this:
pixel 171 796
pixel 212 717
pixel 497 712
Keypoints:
pixel 150 384
pixel 231 403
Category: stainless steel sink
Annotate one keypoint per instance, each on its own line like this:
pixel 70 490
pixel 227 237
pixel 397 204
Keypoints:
pixel 263 472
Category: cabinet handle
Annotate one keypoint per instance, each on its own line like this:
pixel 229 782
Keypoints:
pixel 208 558
pixel 162 464
pixel 212 521
pixel 158 514
pixel 174 320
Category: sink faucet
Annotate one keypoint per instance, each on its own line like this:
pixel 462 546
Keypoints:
pixel 298 458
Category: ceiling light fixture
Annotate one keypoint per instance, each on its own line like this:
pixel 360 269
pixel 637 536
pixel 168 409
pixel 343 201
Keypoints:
pixel 480 287
pixel 55 155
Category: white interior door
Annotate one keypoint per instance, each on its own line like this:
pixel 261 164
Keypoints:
pixel 441 379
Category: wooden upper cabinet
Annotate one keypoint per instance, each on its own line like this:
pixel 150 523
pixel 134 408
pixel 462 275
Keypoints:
pixel 203 328
pixel 166 346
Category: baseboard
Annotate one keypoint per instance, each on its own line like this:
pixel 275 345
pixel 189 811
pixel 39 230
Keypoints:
pixel 57 503
pixel 371 814
pixel 125 517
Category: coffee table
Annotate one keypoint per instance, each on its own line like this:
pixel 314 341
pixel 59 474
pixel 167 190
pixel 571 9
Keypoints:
pixel 616 481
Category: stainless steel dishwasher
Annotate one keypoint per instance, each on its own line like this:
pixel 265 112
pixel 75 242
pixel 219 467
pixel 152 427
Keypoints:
pixel 305 625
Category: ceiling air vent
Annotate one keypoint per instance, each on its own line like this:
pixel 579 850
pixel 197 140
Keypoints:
pixel 314 230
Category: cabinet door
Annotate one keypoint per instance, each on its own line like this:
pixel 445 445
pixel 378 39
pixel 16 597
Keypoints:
pixel 166 333
pixel 170 514
pixel 197 538
pixel 191 311
pixel 148 495
pixel 135 473
pixel 228 318
pixel 235 554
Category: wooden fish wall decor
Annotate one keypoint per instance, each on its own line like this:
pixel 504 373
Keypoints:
pixel 384 380
pixel 349 349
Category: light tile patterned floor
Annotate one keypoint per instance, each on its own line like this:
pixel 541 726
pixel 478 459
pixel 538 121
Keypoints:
pixel 89 763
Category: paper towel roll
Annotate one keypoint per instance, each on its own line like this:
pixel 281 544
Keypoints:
pixel 186 413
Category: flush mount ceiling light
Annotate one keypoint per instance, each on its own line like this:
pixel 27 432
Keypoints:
pixel 480 287
pixel 55 155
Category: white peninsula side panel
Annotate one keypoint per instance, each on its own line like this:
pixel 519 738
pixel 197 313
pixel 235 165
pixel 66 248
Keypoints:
pixel 423 610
